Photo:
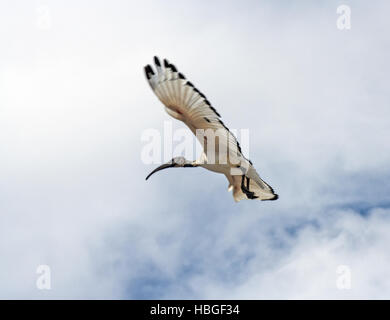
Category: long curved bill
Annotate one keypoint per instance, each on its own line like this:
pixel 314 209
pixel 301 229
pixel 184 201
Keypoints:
pixel 162 167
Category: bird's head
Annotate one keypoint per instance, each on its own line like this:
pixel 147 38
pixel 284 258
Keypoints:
pixel 176 162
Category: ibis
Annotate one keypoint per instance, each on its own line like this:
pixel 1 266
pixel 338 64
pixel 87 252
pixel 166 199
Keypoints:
pixel 183 101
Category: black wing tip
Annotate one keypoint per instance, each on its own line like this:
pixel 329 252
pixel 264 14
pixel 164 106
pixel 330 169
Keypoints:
pixel 215 111
pixel 157 61
pixel 181 76
pixel 166 64
pixel 148 71
pixel 173 68
pixel 276 197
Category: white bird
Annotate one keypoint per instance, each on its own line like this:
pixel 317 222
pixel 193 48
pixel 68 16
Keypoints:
pixel 186 103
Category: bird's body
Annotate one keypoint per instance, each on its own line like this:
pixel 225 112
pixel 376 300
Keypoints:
pixel 221 150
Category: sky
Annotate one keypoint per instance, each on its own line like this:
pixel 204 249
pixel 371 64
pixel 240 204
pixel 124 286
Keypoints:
pixel 74 104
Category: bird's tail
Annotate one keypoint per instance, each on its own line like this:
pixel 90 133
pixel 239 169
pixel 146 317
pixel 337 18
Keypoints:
pixel 259 190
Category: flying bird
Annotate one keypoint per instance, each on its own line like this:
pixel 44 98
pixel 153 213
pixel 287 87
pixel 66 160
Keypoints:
pixel 183 101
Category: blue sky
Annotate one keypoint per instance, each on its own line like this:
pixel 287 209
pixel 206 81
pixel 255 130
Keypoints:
pixel 74 103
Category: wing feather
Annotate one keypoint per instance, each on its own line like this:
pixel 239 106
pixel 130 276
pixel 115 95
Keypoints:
pixel 182 98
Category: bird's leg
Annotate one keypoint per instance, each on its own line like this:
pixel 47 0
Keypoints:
pixel 249 194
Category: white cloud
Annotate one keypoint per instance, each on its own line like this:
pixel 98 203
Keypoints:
pixel 308 268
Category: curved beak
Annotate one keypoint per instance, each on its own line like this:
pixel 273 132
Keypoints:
pixel 162 167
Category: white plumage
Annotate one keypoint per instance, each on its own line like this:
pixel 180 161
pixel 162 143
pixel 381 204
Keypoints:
pixel 186 103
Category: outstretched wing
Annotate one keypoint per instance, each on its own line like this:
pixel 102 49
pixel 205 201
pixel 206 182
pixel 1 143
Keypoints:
pixel 185 102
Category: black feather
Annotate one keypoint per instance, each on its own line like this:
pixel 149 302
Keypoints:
pixel 276 197
pixel 157 61
pixel 148 71
pixel 239 147
pixel 215 111
pixel 223 125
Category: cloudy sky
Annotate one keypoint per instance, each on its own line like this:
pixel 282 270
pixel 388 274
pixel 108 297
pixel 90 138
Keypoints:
pixel 74 104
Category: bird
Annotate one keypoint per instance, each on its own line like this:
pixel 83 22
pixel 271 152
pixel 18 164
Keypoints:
pixel 183 101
